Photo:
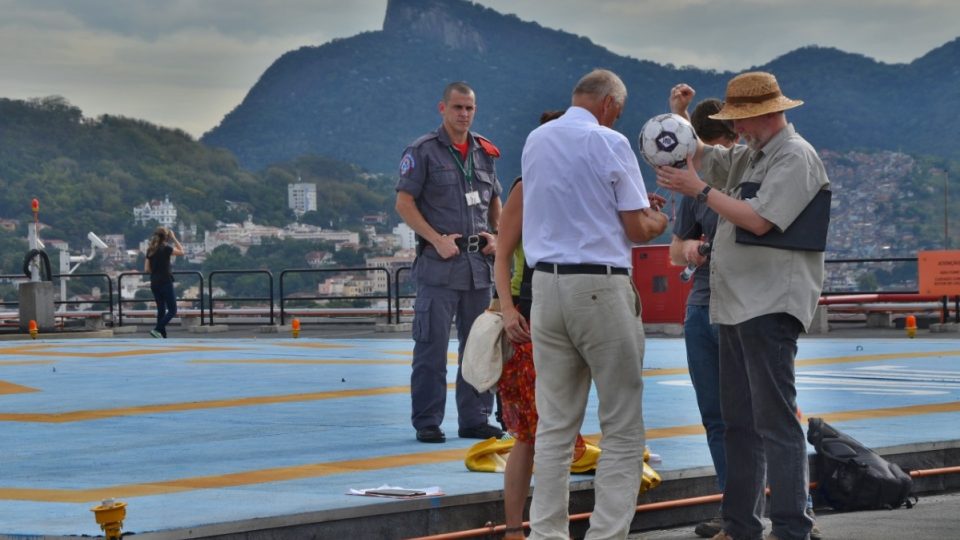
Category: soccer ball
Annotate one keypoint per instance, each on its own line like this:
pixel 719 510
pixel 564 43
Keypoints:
pixel 667 139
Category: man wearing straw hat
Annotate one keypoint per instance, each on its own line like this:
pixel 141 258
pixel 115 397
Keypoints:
pixel 765 285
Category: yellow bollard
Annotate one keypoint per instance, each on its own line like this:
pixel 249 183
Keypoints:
pixel 911 326
pixel 33 329
pixel 109 516
pixel 295 328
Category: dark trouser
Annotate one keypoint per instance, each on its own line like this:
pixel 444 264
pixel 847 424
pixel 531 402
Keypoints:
pixel 435 309
pixel 703 362
pixel 166 301
pixel 759 401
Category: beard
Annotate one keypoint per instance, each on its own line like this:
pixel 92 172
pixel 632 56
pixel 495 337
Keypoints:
pixel 752 141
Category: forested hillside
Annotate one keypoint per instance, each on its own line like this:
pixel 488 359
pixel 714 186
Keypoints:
pixel 88 174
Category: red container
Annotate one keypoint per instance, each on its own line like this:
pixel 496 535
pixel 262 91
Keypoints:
pixel 663 295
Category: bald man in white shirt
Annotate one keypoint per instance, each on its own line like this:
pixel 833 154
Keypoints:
pixel 584 207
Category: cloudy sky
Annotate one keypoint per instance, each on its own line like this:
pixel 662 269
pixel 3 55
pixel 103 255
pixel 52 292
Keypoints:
pixel 186 63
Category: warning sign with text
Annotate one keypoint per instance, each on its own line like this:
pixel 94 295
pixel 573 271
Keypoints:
pixel 939 272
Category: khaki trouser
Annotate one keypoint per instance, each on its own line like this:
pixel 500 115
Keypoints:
pixel 587 328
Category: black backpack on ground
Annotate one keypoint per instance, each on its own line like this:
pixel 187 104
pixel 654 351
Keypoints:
pixel 851 476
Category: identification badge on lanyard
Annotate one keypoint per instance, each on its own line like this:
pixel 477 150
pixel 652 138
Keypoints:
pixel 472 196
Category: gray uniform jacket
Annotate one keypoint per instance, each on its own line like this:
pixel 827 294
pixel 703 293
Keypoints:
pixel 430 172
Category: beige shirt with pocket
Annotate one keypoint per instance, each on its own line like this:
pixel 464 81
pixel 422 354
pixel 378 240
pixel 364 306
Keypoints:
pixel 748 280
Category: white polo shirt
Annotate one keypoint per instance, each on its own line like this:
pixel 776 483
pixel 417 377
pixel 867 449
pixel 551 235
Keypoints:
pixel 577 177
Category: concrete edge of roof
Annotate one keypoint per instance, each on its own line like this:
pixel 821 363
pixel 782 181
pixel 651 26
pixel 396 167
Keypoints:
pixel 406 518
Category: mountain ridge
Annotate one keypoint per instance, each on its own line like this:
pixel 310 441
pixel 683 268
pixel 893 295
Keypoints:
pixel 363 98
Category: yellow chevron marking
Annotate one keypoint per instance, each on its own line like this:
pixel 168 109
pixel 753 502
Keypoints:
pixel 81 416
pixel 24 351
pixel 11 388
pixel 313 470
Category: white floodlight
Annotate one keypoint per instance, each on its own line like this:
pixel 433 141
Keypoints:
pixel 95 241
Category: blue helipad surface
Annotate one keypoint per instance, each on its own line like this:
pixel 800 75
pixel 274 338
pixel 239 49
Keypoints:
pixel 192 432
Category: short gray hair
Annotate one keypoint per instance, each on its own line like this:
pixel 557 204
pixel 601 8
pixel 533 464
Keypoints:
pixel 601 83
pixel 459 87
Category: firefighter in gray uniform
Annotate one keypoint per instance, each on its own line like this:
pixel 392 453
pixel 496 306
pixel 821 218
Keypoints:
pixel 448 193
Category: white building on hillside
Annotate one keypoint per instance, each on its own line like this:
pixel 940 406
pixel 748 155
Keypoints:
pixel 302 197
pixel 246 234
pixel 301 231
pixel 408 238
pixel 241 235
pixel 346 286
pixel 163 212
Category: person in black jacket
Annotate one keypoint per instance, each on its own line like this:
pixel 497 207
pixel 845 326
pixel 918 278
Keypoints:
pixel 163 244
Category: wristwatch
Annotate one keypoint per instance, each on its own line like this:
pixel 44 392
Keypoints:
pixel 702 196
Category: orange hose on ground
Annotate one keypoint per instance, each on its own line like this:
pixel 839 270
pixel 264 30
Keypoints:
pixel 491 529
pixel 935 472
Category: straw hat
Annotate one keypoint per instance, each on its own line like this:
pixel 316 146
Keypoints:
pixel 753 94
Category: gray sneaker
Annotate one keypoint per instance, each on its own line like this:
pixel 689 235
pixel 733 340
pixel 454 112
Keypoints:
pixel 814 532
pixel 156 334
pixel 709 528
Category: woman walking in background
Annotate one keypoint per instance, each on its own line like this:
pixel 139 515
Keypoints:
pixel 161 277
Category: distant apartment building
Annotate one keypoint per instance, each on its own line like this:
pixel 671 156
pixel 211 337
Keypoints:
pixel 391 263
pixel 302 197
pixel 117 249
pixel 346 286
pixel 188 233
pixel 163 212
pixel 300 231
pixel 128 287
pixel 246 234
pixel 408 238
pixel 115 241
pixel 240 235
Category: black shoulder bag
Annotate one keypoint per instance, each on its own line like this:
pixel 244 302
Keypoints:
pixel 851 476
pixel 808 232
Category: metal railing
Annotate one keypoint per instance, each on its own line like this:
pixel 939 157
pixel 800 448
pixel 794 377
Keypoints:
pixel 394 294
pixel 396 281
pixel 121 301
pixel 894 295
pixel 295 271
pixel 213 301
pixel 874 261
pixel 63 302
